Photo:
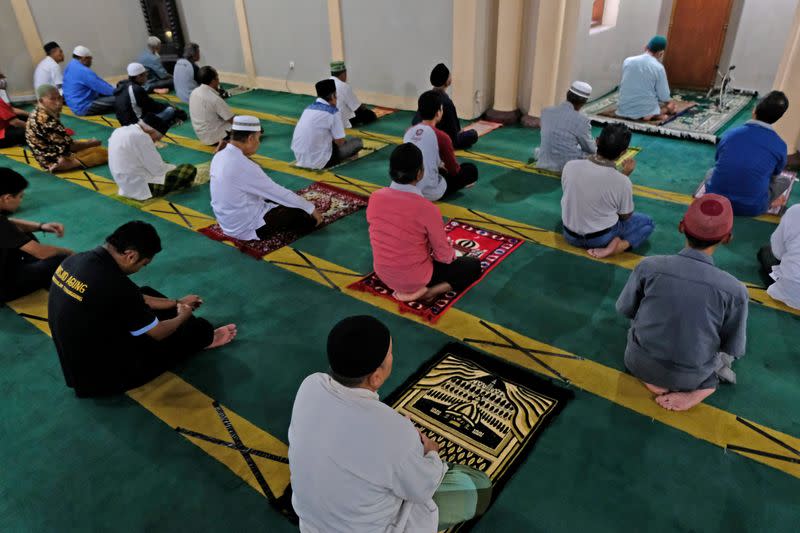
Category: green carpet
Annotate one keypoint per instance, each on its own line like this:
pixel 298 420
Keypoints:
pixel 110 464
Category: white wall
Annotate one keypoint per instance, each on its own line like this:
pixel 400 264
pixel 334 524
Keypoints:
pixel 15 61
pixel 285 31
pixel 391 46
pixel 114 30
pixel 212 24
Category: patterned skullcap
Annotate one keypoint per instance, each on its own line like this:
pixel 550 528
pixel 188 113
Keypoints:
pixel 709 218
pixel 337 67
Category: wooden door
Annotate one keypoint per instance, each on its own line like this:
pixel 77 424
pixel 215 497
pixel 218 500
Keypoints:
pixel 694 42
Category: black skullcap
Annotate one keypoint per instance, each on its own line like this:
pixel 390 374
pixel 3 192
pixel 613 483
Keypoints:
pixel 325 88
pixel 357 346
pixel 405 162
pixel 49 47
pixel 439 75
pixel 156 122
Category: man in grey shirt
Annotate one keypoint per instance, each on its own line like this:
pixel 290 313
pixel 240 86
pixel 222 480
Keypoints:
pixel 688 317
pixel 186 72
pixel 566 132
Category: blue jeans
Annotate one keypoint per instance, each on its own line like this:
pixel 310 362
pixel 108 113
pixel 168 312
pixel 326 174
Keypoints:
pixel 167 115
pixel 635 230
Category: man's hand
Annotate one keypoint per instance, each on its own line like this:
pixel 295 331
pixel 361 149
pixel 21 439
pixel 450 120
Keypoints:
pixel 317 216
pixel 192 300
pixel 53 227
pixel 184 311
pixel 671 108
pixel 428 445
pixel 628 166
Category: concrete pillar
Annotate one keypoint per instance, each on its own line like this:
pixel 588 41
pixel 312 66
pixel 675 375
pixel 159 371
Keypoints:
pixel 335 27
pixel 788 81
pixel 554 54
pixel 509 37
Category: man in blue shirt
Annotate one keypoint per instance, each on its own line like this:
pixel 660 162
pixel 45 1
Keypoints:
pixel 750 159
pixel 644 90
pixel 85 92
pixel 157 75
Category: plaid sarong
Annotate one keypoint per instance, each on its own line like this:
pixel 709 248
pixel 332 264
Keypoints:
pixel 181 177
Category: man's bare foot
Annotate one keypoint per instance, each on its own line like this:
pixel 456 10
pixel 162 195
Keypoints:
pixel 222 336
pixel 434 292
pixel 162 90
pixel 616 246
pixel 655 389
pixel 683 401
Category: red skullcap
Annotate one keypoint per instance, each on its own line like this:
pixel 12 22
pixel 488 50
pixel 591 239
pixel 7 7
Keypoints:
pixel 709 218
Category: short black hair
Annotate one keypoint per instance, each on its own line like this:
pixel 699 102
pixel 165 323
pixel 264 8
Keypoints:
pixel 242 136
pixel 772 107
pixel 49 47
pixel 429 104
pixel 573 98
pixel 11 182
pixel 699 244
pixel 207 74
pixel 405 163
pixel 345 381
pixel 613 141
pixel 136 235
pixel 190 50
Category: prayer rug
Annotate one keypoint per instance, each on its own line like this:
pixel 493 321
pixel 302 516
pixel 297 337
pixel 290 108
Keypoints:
pixel 490 247
pixel 779 210
pixel 333 202
pixel 482 127
pixel 627 154
pixel 370 146
pixel 700 122
pixel 382 111
pixel 239 89
pixel 484 412
pixel 680 108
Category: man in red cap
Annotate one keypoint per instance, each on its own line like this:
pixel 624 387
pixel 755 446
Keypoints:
pixel 688 317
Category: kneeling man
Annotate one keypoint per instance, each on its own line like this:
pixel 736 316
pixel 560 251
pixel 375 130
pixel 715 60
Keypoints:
pixel 644 90
pixel 688 317
pixel 357 465
pixel 566 132
pixel 110 334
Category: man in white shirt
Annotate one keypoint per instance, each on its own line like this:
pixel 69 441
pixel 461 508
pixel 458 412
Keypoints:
pixel 248 205
pixel 319 140
pixel 597 203
pixel 47 71
pixel 359 466
pixel 211 116
pixel 780 259
pixel 353 112
pixel 136 165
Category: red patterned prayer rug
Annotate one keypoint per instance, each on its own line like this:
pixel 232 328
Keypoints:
pixel 333 202
pixel 490 247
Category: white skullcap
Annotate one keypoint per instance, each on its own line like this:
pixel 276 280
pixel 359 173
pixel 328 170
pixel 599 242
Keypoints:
pixel 581 88
pixel 246 123
pixel 134 69
pixel 82 51
pixel 153 41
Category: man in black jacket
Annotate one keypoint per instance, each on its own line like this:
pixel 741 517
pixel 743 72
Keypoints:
pixel 132 101
pixel 462 139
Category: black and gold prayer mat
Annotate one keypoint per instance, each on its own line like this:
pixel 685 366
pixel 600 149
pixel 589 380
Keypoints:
pixel 483 412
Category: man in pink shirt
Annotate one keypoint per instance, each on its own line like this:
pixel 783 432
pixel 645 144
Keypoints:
pixel 411 252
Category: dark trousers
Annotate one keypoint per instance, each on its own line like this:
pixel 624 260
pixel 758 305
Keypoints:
pixel 284 218
pixel 465 139
pixel 467 175
pixel 14 136
pixel 364 115
pixel 27 276
pixel 767 260
pixel 460 274
pixel 350 147
pixel 152 85
pixel 102 106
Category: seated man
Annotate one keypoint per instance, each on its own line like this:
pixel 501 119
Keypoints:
pixel 211 116
pixel 132 101
pixel 25 263
pixel 248 205
pixel 52 146
pixel 318 140
pixel 597 203
pixel 85 92
pixel 47 71
pixel 111 335
pixel 688 317
pixel 435 184
pixel 358 465
pixel 186 75
pixel 566 132
pixel 780 259
pixel 644 90
pixel 449 123
pixel 353 112
pixel 136 165
pixel 12 124
pixel 750 159
pixel 157 76
pixel 410 250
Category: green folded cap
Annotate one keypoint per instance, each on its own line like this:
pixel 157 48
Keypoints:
pixel 337 67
